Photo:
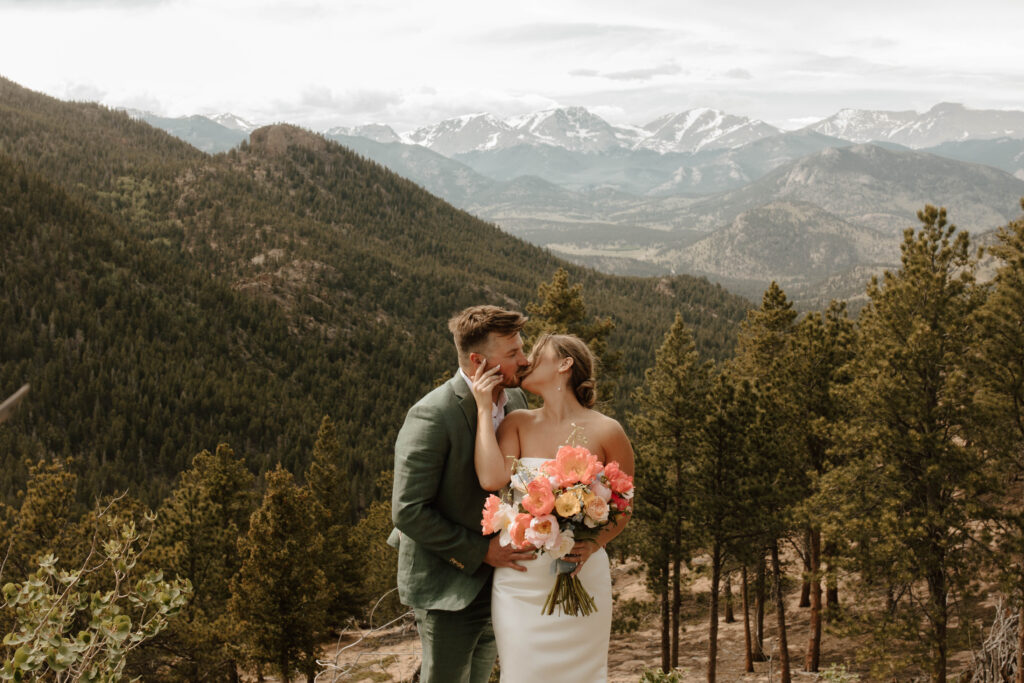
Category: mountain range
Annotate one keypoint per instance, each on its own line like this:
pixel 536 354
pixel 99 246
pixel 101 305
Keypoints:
pixel 639 199
pixel 161 300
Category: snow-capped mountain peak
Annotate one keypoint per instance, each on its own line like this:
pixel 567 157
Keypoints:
pixel 944 122
pixel 234 122
pixel 378 132
pixel 702 128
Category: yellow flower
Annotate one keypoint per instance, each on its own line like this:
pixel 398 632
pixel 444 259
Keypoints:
pixel 567 504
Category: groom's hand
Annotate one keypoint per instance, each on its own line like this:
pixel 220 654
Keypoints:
pixel 507 556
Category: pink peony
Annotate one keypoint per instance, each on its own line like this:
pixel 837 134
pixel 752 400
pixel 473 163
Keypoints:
pixel 497 515
pixel 620 503
pixel 517 531
pixel 543 532
pixel 618 481
pixel 539 499
pixel 573 465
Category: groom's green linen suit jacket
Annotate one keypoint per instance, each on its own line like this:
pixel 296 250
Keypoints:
pixel 437 502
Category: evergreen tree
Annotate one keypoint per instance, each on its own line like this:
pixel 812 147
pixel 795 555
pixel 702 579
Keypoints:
pixel 764 353
pixel 997 366
pixel 911 500
pixel 561 310
pixel 671 406
pixel 199 527
pixel 716 486
pixel 327 486
pixel 822 344
pixel 279 597
pixel 45 521
pixel 379 560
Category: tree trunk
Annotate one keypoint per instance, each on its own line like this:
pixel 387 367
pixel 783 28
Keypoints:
pixel 937 588
pixel 759 598
pixel 831 581
pixel 676 564
pixel 730 617
pixel 233 671
pixel 805 588
pixel 716 577
pixel 749 664
pixel 666 650
pixel 814 642
pixel 780 613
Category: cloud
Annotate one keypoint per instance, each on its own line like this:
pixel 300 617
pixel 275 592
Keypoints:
pixel 739 74
pixel 644 74
pixel 647 74
pixel 84 92
pixel 46 5
pixel 574 32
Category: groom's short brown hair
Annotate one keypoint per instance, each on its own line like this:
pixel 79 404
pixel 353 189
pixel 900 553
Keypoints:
pixel 471 326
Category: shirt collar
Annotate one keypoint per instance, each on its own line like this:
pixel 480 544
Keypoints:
pixel 502 397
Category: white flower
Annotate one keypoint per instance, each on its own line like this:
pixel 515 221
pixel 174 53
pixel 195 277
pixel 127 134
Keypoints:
pixel 566 541
pixel 543 532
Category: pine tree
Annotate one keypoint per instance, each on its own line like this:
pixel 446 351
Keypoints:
pixel 561 310
pixel 997 366
pixel 279 597
pixel 716 486
pixel 199 526
pixel 671 408
pixel 764 358
pixel 911 498
pixel 822 344
pixel 328 488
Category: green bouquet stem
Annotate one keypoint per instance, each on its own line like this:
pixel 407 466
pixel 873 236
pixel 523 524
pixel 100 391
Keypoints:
pixel 569 596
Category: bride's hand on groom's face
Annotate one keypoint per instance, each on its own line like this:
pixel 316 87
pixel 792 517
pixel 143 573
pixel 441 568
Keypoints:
pixel 485 381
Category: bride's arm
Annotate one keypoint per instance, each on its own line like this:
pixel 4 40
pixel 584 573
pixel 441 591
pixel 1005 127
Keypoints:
pixel 495 453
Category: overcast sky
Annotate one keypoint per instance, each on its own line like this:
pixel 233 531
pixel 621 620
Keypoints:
pixel 319 63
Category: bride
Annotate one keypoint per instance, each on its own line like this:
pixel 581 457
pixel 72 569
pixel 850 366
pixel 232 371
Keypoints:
pixel 533 646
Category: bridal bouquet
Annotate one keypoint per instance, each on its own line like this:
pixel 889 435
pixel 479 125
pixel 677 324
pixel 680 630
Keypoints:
pixel 569 499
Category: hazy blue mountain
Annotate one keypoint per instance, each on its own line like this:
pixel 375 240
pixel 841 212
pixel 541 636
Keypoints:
pixel 199 131
pixel 944 122
pixel 377 132
pixel 1006 154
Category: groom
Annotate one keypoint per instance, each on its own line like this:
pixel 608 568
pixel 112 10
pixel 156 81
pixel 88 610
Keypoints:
pixel 444 562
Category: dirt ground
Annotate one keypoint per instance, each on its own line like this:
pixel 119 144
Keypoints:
pixel 392 654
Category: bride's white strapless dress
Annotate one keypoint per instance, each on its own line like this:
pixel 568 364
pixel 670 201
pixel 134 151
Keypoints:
pixel 542 648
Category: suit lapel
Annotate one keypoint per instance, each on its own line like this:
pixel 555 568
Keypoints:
pixel 465 399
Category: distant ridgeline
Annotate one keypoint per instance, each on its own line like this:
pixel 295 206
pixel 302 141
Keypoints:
pixel 160 300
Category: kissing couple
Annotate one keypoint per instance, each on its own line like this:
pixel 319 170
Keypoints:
pixel 474 595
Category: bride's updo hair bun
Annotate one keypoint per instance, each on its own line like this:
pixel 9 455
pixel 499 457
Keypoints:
pixel 582 380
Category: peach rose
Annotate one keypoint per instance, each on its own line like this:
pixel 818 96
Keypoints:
pixel 595 511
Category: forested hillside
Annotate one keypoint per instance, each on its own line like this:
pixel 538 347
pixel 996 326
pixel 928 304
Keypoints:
pixel 160 300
